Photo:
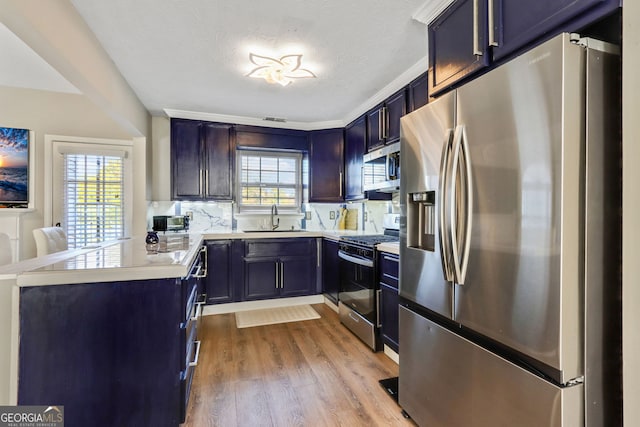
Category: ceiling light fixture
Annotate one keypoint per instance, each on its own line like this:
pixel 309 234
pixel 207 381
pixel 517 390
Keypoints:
pixel 282 71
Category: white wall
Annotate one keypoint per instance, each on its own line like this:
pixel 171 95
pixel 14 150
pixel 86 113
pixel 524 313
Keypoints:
pixel 631 212
pixel 160 158
pixel 66 114
pixel 108 107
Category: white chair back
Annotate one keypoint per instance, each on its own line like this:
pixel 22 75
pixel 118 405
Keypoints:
pixel 50 240
pixel 6 253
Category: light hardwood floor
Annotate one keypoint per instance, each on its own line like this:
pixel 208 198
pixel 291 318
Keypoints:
pixel 310 373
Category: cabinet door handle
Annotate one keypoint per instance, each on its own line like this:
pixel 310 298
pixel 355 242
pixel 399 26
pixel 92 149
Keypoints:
pixel 378 295
pixel 281 275
pixel 206 182
pixel 388 258
pixel 195 359
pixel 201 182
pixel 198 313
pixel 385 123
pixel 492 30
pixel 476 29
pixel 277 276
pixel 340 184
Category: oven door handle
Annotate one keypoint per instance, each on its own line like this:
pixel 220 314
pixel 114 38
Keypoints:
pixel 355 260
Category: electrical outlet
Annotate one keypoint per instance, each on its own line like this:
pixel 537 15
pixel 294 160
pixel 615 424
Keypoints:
pixel 365 216
pixel 307 216
pixel 332 215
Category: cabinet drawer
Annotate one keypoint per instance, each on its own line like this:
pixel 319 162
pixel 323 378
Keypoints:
pixel 278 247
pixel 191 295
pixel 186 378
pixel 388 266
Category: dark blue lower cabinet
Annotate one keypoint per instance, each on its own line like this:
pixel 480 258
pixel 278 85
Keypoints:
pixel 218 283
pixel 330 270
pixel 297 276
pixel 261 278
pixel 111 353
pixel 275 268
pixel 389 314
pixel 388 269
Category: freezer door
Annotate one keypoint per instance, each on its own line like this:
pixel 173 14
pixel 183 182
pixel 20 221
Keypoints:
pixel 425 143
pixel 524 124
pixel 448 381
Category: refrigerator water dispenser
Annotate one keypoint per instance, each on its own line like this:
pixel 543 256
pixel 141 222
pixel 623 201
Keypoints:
pixel 421 220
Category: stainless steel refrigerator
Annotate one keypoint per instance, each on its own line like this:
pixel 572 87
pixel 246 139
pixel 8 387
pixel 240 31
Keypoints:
pixel 510 245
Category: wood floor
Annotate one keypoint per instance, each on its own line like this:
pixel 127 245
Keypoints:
pixel 310 373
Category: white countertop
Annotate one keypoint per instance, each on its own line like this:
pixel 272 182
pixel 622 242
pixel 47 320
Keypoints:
pixel 111 261
pixel 391 247
pixel 128 259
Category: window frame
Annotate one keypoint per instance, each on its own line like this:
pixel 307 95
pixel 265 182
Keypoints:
pixel 55 146
pixel 296 155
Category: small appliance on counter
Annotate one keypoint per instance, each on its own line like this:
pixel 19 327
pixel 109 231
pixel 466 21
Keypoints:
pixel 171 223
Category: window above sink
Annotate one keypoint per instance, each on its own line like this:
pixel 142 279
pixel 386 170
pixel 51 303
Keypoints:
pixel 266 178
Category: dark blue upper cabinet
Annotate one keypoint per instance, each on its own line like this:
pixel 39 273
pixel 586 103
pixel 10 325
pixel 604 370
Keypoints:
pixel 355 142
pixel 457 44
pixel 186 152
pixel 375 132
pixel 220 159
pixel 202 158
pixel 473 35
pixel 514 24
pixel 326 166
pixel 418 92
pixel 276 138
pixel 396 107
pixel 383 121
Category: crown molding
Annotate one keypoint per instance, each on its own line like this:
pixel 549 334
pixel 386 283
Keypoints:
pixel 430 10
pixel 252 121
pixel 398 83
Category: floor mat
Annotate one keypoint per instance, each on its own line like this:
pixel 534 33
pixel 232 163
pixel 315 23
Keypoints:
pixel 271 316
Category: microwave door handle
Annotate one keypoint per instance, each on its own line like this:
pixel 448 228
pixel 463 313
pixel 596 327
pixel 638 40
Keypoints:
pixel 445 252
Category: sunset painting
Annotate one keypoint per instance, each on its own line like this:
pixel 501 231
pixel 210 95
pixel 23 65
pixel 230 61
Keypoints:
pixel 14 162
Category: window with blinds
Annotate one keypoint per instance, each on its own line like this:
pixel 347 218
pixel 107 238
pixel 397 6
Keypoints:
pixel 269 178
pixel 93 192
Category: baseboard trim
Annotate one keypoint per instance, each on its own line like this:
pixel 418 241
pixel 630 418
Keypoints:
pixel 391 354
pixel 233 307
pixel 330 304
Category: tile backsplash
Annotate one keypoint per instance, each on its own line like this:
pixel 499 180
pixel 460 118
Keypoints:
pixel 219 217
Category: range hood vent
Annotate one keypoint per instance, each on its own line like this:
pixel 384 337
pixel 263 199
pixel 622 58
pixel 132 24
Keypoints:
pixel 275 119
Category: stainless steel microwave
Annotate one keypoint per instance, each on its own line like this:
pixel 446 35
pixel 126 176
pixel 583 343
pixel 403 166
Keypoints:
pixel 381 169
pixel 170 223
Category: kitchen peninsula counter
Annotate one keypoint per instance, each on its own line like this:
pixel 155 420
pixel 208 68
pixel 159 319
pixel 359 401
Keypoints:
pixel 119 260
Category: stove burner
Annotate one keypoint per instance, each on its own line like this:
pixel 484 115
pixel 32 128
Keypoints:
pixel 370 240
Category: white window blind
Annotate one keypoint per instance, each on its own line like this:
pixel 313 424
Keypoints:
pixel 93 193
pixel 269 178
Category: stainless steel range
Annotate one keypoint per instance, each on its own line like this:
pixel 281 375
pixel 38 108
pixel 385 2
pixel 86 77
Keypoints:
pixel 359 297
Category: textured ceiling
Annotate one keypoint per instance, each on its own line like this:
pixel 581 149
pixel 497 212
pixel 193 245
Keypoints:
pixel 193 55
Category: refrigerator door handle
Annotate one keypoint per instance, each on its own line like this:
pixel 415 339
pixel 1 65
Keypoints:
pixel 468 204
pixel 445 250
pixel 460 202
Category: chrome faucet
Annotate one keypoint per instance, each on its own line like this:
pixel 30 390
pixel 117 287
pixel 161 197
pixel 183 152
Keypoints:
pixel 274 212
